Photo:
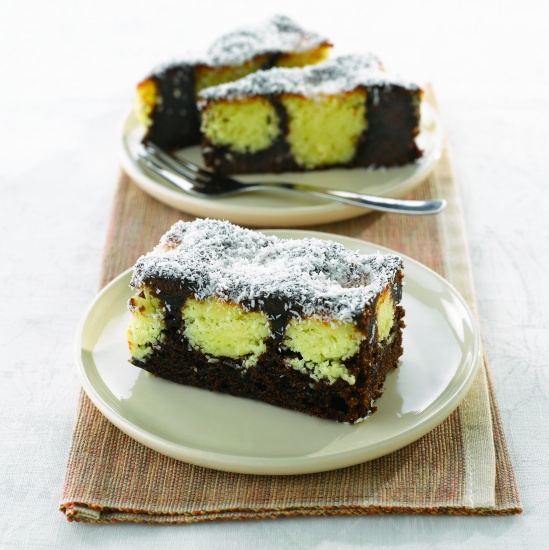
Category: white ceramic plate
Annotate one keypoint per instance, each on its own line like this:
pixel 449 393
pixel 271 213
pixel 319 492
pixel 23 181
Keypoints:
pixel 441 355
pixel 276 209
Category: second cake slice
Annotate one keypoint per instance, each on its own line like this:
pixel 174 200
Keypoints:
pixel 343 112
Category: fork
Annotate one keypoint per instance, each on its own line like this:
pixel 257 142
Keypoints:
pixel 199 182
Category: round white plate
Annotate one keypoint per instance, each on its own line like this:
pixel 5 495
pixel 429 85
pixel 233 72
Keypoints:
pixel 281 209
pixel 441 355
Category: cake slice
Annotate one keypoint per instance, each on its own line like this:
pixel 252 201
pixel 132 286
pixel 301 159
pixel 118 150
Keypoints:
pixel 343 112
pixel 303 324
pixel 166 100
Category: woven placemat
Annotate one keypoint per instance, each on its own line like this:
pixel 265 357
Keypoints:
pixel 461 467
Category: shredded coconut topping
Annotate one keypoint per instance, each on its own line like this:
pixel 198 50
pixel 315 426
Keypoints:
pixel 277 35
pixel 311 277
pixel 341 74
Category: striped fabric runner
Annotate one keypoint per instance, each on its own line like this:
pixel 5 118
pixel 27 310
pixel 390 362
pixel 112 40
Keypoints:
pixel 461 467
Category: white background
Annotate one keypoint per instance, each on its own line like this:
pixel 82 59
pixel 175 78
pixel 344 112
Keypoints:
pixel 67 74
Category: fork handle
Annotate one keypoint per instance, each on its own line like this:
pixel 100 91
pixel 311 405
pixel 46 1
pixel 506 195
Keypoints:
pixel 384 204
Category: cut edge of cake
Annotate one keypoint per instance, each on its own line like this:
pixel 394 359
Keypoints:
pixel 344 112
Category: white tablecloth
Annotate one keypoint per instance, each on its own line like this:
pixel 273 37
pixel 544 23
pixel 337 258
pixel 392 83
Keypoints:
pixel 67 74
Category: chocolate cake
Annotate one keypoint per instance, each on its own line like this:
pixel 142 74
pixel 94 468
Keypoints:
pixel 345 112
pixel 166 100
pixel 303 324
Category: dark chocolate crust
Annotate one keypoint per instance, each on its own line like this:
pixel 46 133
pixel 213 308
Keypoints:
pixel 393 123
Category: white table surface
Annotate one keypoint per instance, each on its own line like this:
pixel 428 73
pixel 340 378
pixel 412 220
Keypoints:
pixel 67 73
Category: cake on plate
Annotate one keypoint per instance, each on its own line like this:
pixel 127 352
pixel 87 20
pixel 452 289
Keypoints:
pixel 344 112
pixel 306 324
pixel 166 99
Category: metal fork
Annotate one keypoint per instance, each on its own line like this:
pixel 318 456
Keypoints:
pixel 196 181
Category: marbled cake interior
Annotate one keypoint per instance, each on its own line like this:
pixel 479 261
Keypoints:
pixel 238 299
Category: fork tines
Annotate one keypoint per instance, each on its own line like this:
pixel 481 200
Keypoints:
pixel 182 167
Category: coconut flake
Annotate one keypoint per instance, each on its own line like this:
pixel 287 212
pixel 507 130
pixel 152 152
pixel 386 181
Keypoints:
pixel 310 277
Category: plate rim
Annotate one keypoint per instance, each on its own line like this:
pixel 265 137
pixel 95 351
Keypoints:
pixel 262 216
pixel 305 464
